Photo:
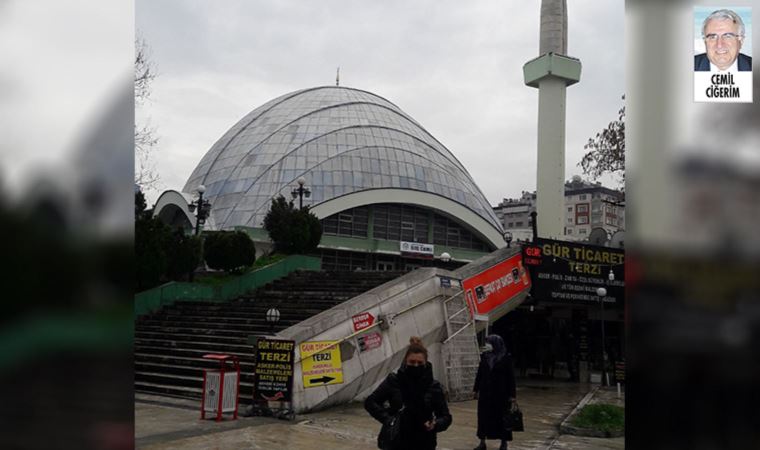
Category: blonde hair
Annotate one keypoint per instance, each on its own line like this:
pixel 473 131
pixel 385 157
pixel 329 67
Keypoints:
pixel 416 346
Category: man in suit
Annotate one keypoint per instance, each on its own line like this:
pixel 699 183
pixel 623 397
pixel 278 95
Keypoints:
pixel 723 34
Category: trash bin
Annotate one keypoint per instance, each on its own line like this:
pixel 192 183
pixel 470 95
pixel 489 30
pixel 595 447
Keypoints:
pixel 221 387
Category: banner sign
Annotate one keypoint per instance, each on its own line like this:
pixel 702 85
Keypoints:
pixel 273 373
pixel 370 341
pixel 362 321
pixel 415 249
pixel 571 272
pixel 496 285
pixel 320 363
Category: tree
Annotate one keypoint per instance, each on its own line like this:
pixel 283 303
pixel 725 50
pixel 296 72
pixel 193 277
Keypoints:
pixel 292 230
pixel 146 175
pixel 231 251
pixel 607 150
pixel 184 254
pixel 151 240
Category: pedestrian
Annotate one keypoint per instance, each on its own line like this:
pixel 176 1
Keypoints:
pixel 495 391
pixel 413 394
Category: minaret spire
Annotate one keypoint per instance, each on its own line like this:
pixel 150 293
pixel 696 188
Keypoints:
pixel 551 73
pixel 553 34
pixel 337 77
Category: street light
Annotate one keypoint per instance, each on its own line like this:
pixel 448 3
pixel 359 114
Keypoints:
pixel 445 257
pixel 273 316
pixel 203 208
pixel 508 238
pixel 602 293
pixel 300 192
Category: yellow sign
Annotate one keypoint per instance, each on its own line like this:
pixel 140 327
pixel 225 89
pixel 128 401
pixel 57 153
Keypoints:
pixel 321 365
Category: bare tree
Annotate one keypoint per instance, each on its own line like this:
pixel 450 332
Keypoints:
pixel 607 150
pixel 146 175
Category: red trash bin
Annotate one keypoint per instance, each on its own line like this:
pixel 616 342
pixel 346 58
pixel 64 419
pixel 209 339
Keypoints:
pixel 221 387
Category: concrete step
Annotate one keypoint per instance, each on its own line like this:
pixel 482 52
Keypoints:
pixel 188 352
pixel 240 327
pixel 191 337
pixel 242 334
pixel 171 343
pixel 152 358
pixel 187 371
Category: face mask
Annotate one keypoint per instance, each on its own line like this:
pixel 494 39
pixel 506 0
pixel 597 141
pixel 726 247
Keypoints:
pixel 415 372
pixel 487 348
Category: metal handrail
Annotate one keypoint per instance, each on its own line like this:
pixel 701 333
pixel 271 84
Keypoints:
pixel 466 308
pixel 457 332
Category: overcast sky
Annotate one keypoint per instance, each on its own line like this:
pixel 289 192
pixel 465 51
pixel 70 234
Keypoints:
pixel 455 67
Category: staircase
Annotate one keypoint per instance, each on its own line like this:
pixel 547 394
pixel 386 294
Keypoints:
pixel 460 350
pixel 170 343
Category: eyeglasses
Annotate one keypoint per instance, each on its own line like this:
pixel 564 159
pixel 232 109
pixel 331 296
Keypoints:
pixel 727 37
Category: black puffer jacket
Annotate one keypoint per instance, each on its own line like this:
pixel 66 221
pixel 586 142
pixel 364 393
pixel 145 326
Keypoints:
pixel 422 400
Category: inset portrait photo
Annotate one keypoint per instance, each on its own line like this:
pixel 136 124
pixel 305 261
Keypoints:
pixel 723 54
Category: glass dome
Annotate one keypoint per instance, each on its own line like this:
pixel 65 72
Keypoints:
pixel 342 141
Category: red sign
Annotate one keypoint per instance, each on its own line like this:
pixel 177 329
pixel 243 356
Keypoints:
pixel 370 341
pixel 496 285
pixel 362 321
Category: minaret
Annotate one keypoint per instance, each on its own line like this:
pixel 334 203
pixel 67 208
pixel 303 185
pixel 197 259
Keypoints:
pixel 551 73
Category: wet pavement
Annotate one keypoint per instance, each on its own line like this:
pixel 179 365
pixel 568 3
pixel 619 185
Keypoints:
pixel 163 424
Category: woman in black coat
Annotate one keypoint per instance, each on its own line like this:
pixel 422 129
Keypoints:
pixel 495 391
pixel 412 387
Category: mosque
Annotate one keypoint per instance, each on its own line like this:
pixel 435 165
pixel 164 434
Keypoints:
pixel 389 195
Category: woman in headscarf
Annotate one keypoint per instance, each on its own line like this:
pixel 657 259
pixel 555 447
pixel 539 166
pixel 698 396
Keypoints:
pixel 413 391
pixel 495 391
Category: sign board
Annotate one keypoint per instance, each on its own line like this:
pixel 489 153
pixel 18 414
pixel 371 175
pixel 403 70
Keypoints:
pixel 418 250
pixel 496 285
pixel 571 272
pixel 320 363
pixel 273 373
pixel 370 341
pixel 362 321
pixel 448 282
pixel 620 371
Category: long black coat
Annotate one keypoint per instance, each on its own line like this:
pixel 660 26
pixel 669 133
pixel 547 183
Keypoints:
pixel 422 401
pixel 494 387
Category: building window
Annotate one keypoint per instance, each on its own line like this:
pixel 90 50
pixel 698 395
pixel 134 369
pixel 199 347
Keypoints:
pixel 511 224
pixel 569 231
pixel 582 231
pixel 518 224
pixel 569 209
pixel 582 197
pixel 570 220
pixel 581 220
pixel 582 208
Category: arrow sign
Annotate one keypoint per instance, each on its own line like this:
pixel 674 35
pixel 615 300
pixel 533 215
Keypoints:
pixel 325 379
pixel 362 321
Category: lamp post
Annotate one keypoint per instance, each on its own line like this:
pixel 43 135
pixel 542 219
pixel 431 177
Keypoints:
pixel 273 316
pixel 445 257
pixel 602 293
pixel 202 208
pixel 508 238
pixel 300 192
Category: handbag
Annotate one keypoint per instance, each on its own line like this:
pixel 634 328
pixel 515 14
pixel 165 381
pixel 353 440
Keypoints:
pixel 390 433
pixel 514 419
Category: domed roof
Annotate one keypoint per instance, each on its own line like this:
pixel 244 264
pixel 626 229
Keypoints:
pixel 342 141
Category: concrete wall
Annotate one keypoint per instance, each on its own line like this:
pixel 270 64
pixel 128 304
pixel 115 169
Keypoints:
pixel 362 372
